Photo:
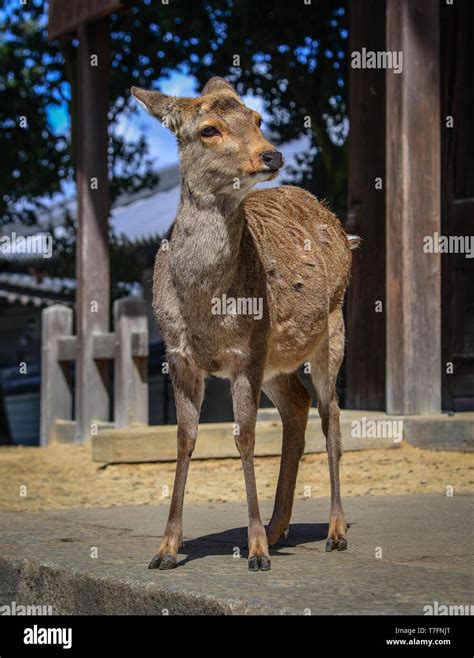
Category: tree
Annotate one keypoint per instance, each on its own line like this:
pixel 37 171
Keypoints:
pixel 293 56
pixel 34 159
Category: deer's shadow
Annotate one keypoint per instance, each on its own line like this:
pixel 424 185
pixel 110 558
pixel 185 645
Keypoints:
pixel 234 542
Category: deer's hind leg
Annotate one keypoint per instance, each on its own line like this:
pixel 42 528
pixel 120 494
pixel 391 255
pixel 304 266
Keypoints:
pixel 293 401
pixel 324 370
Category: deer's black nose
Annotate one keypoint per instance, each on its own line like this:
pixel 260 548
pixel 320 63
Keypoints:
pixel 273 159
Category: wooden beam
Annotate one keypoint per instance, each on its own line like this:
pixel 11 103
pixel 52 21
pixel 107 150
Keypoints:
pixel 413 209
pixel 65 18
pixel 365 305
pixel 157 443
pixel 103 346
pixel 56 389
pixel 67 348
pixel 92 259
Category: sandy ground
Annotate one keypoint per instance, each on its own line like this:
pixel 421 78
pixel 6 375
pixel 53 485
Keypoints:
pixel 63 476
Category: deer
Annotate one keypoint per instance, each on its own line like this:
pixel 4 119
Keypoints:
pixel 277 245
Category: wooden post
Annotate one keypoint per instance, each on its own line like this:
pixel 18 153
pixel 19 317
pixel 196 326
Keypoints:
pixel 92 260
pixel 131 363
pixel 56 393
pixel 413 209
pixel 457 157
pixel 365 307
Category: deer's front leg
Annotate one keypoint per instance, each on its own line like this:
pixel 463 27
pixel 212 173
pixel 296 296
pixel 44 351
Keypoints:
pixel 245 397
pixel 188 385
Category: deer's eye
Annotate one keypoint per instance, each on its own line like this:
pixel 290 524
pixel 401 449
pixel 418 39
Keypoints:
pixel 209 131
pixel 259 122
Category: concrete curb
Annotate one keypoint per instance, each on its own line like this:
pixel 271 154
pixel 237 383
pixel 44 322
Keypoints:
pixel 401 557
pixel 74 592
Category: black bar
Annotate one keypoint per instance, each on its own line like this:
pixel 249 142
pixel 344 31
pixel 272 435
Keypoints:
pixel 241 636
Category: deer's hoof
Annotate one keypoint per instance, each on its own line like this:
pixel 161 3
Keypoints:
pixel 336 544
pixel 163 562
pixel 259 563
pixel 330 545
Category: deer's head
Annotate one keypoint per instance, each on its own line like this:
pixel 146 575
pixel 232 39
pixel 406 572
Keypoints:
pixel 222 149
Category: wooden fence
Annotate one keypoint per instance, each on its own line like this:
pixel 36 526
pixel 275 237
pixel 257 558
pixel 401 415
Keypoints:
pixel 126 347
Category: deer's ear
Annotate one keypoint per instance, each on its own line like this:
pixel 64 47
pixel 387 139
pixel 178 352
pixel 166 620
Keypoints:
pixel 216 85
pixel 167 109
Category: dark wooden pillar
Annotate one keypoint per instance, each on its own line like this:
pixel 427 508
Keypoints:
pixel 413 209
pixel 92 260
pixel 365 306
pixel 457 129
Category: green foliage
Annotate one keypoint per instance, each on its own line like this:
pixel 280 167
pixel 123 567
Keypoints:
pixel 34 160
pixel 291 54
pixel 294 56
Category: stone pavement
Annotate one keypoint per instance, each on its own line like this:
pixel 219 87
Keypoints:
pixel 423 543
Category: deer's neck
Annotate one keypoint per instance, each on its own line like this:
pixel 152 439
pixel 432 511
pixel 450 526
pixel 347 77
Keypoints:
pixel 205 246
